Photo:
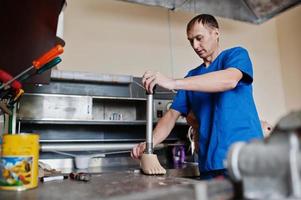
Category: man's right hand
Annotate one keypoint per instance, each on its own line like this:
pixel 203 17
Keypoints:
pixel 160 133
pixel 138 150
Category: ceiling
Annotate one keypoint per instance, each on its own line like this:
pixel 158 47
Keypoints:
pixel 253 11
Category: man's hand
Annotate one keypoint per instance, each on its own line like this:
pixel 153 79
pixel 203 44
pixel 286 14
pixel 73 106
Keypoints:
pixel 138 150
pixel 150 79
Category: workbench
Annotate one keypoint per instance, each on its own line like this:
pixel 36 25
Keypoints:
pixel 128 184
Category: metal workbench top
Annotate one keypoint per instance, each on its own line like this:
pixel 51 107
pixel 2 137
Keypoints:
pixel 130 184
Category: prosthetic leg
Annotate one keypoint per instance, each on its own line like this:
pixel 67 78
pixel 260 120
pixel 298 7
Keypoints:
pixel 149 162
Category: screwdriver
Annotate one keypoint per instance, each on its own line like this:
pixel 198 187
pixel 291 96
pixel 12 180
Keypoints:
pixel 37 64
pixel 5 77
pixel 44 68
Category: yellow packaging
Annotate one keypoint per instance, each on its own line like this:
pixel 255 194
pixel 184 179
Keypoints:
pixel 19 162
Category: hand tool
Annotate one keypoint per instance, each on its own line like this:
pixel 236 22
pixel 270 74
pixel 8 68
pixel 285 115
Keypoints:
pixel 149 162
pixel 52 178
pixel 37 64
pixel 9 93
pixel 81 176
pixel 44 68
pixel 12 93
pixel 19 94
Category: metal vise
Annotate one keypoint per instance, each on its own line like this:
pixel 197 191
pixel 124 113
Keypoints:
pixel 270 169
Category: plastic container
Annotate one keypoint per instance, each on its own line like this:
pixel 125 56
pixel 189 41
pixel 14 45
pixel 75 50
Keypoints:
pixel 19 162
pixel 178 154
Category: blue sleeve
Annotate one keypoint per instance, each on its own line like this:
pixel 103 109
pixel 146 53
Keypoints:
pixel 180 103
pixel 239 58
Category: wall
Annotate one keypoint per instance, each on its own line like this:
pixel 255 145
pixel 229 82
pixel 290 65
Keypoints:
pixel 122 38
pixel 289 32
pixel 115 37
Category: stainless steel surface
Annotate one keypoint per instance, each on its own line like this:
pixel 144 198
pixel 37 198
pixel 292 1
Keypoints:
pixel 48 147
pixel 80 108
pixel 274 164
pixel 86 147
pixel 290 122
pixel 96 165
pixel 254 11
pixel 81 88
pixel 126 185
pixel 55 107
pixel 117 98
pixel 82 161
pixel 149 124
pixel 90 77
pixel 117 109
pixel 86 122
pixel 13 121
pixel 116 120
pixel 91 122
pixel 294 160
pixel 90 140
pixel 1 124
pixel 161 106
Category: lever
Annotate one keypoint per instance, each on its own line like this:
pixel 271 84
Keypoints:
pixel 149 122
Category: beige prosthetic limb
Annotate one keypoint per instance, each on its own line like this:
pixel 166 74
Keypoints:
pixel 149 162
pixel 150 165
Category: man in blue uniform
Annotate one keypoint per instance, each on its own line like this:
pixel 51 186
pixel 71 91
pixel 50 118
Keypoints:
pixel 218 92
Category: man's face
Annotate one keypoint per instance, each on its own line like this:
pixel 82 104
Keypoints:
pixel 203 39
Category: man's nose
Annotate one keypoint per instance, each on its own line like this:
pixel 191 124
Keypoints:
pixel 195 45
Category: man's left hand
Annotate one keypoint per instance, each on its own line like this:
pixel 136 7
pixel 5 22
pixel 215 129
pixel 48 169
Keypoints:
pixel 150 79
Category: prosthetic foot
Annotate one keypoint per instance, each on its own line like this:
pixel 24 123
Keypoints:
pixel 149 162
pixel 150 165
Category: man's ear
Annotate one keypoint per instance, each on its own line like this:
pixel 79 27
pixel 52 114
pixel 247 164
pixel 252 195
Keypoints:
pixel 216 32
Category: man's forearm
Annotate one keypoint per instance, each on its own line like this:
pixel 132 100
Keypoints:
pixel 164 126
pixel 218 81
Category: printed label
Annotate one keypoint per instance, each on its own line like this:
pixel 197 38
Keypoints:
pixel 15 171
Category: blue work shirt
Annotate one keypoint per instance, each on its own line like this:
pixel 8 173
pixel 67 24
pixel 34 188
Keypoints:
pixel 224 117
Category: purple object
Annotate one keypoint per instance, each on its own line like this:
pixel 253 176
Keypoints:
pixel 178 154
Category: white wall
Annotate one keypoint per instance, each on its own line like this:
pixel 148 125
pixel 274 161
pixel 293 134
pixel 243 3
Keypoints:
pixel 123 38
pixel 115 37
pixel 289 35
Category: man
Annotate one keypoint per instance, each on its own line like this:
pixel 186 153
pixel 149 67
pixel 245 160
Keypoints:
pixel 218 92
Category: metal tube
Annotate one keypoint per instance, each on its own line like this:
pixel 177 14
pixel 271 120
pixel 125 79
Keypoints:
pixel 86 147
pixel 90 147
pixel 149 124
pixel 294 169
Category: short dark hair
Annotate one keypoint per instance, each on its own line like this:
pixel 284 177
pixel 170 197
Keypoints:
pixel 205 19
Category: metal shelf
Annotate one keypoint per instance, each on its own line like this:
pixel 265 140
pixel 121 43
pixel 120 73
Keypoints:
pixel 88 122
pixel 82 122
